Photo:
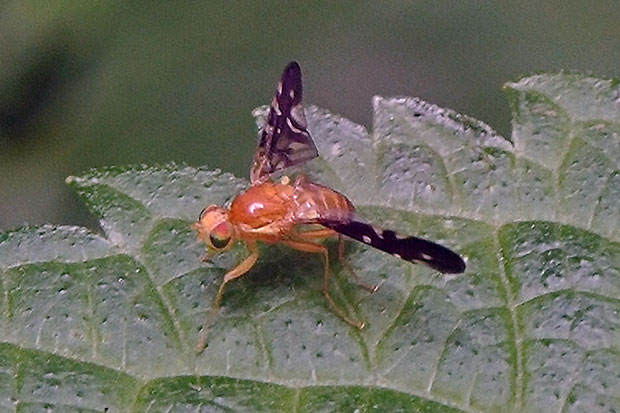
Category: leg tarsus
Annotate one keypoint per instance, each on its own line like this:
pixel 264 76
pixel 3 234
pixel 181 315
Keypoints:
pixel 341 314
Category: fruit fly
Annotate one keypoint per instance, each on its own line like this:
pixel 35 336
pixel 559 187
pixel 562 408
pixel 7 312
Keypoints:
pixel 300 213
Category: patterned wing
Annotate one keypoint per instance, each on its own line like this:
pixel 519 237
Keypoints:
pixel 408 248
pixel 285 140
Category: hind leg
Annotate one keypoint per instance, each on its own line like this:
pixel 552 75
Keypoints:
pixel 347 266
pixel 322 233
pixel 320 249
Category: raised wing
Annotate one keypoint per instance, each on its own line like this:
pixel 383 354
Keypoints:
pixel 284 141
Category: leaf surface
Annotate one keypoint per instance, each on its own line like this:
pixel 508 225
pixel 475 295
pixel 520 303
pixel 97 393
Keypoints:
pixel 92 322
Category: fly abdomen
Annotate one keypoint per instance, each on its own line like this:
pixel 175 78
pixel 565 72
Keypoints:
pixel 408 248
pixel 316 202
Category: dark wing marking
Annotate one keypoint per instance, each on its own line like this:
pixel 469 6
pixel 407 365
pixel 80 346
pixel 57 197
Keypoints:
pixel 285 140
pixel 408 248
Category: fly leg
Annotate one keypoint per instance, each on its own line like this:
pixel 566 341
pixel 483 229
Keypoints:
pixel 236 272
pixel 347 266
pixel 320 233
pixel 328 233
pixel 320 249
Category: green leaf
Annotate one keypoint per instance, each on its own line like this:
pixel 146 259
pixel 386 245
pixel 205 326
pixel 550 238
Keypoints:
pixel 93 322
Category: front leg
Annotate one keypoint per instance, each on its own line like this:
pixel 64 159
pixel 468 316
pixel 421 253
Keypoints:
pixel 236 272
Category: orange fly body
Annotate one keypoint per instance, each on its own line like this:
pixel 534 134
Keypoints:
pixel 301 213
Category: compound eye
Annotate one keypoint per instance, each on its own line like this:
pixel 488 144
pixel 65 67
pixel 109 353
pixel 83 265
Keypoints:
pixel 221 235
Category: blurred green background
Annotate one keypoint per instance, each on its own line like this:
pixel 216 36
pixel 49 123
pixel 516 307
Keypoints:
pixel 91 83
